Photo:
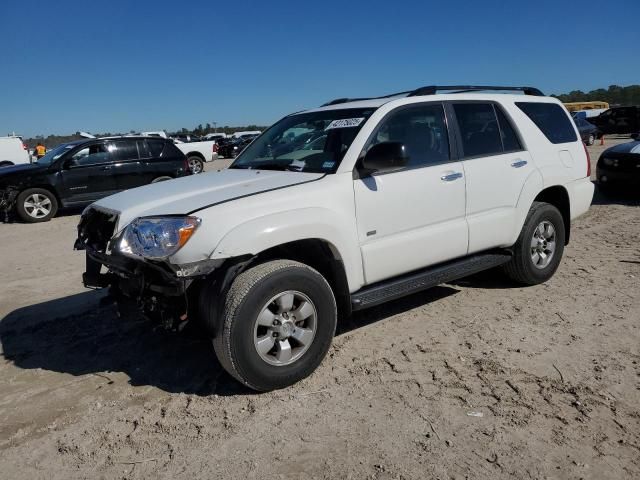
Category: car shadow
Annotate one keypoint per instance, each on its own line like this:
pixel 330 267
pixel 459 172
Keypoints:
pixel 82 334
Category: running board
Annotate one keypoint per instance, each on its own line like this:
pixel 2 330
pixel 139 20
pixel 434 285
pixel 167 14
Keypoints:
pixel 397 287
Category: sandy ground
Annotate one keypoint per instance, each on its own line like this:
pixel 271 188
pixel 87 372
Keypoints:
pixel 475 379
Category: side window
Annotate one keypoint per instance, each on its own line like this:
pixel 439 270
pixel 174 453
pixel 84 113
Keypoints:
pixel 551 119
pixel 91 155
pixel 510 141
pixel 421 129
pixel 155 147
pixel 479 129
pixel 170 150
pixel 123 150
pixel 143 150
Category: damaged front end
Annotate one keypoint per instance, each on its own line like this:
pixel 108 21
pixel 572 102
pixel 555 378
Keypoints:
pixel 157 288
pixel 8 197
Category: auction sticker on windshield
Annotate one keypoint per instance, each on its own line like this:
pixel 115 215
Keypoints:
pixel 345 123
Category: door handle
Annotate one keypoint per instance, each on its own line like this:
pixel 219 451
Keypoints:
pixel 450 177
pixel 519 163
pixel 108 167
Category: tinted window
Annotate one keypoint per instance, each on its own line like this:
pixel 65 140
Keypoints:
pixel 123 150
pixel 169 150
pixel 155 147
pixel 91 155
pixel 421 129
pixel 551 119
pixel 510 141
pixel 479 129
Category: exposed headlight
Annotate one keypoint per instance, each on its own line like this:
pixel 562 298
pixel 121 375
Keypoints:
pixel 157 237
pixel 610 162
pixel 235 148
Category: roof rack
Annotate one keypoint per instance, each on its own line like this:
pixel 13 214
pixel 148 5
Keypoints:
pixel 433 89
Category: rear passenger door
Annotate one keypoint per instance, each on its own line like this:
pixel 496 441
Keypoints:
pixel 496 166
pixel 126 169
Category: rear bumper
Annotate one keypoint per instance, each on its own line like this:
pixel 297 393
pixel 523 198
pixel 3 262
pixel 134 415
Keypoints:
pixel 580 195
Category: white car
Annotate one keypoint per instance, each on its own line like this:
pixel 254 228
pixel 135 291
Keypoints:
pixel 13 152
pixel 198 153
pixel 405 192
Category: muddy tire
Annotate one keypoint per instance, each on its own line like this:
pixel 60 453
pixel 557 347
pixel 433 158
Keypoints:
pixel 279 319
pixel 538 250
pixel 36 205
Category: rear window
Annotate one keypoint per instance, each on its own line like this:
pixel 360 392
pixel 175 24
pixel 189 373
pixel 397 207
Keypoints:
pixel 551 119
pixel 155 147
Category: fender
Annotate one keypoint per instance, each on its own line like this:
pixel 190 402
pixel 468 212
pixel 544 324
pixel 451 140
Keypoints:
pixel 533 185
pixel 262 233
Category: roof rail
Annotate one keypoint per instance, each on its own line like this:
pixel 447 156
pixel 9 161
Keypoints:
pixel 433 89
pixel 345 100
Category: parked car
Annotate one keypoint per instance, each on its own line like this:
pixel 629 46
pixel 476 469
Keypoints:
pixel 618 120
pixel 13 151
pixel 588 131
pixel 233 147
pixel 408 191
pixel 78 173
pixel 198 152
pixel 619 167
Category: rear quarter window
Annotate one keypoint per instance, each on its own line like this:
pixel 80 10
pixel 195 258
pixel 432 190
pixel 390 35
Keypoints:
pixel 551 119
pixel 170 150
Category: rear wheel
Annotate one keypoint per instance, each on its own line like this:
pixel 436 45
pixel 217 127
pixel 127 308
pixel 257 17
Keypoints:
pixel 591 139
pixel 36 205
pixel 538 250
pixel 279 319
pixel 196 165
pixel 5 163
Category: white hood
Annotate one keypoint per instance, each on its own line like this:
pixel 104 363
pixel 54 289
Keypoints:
pixel 188 194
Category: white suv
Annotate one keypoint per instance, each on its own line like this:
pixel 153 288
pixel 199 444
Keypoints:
pixel 341 208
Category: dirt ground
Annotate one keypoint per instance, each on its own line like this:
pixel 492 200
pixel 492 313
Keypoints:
pixel 475 379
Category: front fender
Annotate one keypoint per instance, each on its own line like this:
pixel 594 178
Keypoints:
pixel 262 233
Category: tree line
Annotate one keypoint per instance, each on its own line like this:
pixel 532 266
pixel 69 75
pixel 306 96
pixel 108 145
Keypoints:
pixel 614 95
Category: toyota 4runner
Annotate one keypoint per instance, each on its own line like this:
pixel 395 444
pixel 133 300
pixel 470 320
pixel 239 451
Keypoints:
pixel 340 208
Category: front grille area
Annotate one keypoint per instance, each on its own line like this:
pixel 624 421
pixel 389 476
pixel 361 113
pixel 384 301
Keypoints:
pixel 95 230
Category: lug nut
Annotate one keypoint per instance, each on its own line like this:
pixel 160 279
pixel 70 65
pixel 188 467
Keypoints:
pixel 276 322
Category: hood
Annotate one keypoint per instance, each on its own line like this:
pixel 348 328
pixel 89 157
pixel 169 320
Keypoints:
pixel 18 171
pixel 187 195
pixel 629 147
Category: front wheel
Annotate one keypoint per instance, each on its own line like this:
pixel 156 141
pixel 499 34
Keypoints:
pixel 279 319
pixel 538 250
pixel 36 205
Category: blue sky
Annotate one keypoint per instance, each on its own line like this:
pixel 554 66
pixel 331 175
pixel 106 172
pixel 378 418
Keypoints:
pixel 123 65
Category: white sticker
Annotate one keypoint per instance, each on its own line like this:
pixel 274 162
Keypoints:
pixel 345 123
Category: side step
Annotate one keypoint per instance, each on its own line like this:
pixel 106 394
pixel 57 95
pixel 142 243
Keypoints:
pixel 397 287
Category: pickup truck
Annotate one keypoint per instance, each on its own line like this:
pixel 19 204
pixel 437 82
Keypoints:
pixel 198 153
pixel 341 208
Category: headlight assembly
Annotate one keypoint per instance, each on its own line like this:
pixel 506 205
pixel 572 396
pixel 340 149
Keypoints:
pixel 157 238
pixel 610 162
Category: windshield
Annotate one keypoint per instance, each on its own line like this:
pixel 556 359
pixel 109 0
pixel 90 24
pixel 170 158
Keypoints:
pixel 54 154
pixel 305 142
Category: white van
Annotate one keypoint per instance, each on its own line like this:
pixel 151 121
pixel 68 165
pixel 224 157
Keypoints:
pixel 13 152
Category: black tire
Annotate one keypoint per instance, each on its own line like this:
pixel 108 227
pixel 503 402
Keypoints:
pixel 196 165
pixel 249 292
pixel 521 267
pixel 6 163
pixel 24 213
pixel 591 139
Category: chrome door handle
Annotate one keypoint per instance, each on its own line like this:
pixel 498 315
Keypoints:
pixel 519 163
pixel 451 177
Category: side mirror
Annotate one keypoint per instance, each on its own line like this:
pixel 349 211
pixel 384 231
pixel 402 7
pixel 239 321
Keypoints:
pixel 385 157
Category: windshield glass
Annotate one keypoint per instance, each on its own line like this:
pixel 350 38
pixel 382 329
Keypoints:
pixel 54 154
pixel 305 142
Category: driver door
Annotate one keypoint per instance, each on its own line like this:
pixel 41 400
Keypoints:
pixel 413 217
pixel 87 175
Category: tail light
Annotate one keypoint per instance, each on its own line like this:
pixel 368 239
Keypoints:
pixel 24 146
pixel 186 166
pixel 588 161
pixel 214 148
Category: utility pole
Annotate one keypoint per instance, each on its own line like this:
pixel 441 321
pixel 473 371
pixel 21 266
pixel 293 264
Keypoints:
pixel 215 127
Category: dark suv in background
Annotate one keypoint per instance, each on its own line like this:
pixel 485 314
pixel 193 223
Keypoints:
pixel 618 120
pixel 78 173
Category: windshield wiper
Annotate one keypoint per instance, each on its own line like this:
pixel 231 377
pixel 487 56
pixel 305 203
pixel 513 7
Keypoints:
pixel 276 166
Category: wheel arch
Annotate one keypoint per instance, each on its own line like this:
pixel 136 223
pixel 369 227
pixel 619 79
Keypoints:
pixel 196 154
pixel 558 196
